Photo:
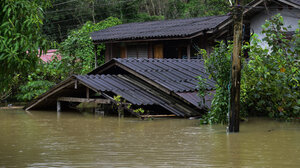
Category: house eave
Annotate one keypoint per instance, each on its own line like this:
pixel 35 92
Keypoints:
pixel 187 37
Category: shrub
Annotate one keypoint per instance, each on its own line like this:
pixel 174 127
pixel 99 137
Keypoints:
pixel 271 79
pixel 270 83
pixel 218 65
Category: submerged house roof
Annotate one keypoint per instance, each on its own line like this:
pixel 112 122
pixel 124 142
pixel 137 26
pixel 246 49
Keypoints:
pixel 168 83
pixel 179 28
pixel 177 75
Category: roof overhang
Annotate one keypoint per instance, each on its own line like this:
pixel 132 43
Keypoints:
pixel 156 39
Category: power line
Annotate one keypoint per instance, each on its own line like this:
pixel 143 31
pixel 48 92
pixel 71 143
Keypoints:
pixel 63 10
pixel 63 3
pixel 61 21
pixel 102 5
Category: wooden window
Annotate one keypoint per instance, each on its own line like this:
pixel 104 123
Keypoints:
pixel 131 52
pixel 123 52
pixel 142 51
pixel 137 51
pixel 158 51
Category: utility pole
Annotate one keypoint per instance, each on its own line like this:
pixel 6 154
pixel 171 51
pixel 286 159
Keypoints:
pixel 234 114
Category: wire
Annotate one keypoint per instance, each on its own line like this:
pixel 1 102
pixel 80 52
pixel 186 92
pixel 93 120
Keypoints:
pixel 63 3
pixel 64 10
pixel 102 5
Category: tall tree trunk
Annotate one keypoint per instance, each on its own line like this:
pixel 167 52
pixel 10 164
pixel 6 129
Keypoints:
pixel 153 7
pixel 93 12
pixel 147 7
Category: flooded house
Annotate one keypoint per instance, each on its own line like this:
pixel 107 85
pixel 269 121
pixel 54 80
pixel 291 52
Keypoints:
pixel 154 65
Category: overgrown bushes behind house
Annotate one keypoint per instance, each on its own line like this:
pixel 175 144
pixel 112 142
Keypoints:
pixel 270 76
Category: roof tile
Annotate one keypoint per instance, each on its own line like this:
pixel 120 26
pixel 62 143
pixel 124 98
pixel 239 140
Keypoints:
pixel 158 29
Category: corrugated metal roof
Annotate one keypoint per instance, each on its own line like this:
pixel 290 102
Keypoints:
pixel 122 85
pixel 158 29
pixel 177 75
pixel 193 98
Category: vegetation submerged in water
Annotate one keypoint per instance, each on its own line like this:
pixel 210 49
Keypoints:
pixel 270 78
pixel 120 101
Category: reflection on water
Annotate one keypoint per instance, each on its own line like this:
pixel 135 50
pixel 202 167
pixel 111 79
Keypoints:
pixel 41 139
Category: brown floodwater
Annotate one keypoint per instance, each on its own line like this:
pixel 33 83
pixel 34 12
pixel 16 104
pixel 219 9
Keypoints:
pixel 42 139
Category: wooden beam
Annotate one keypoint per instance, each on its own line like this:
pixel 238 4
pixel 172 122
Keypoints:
pixel 58 106
pixel 87 93
pixel 84 100
pixel 188 51
pixel 111 51
pixel 96 56
pixel 157 116
pixel 76 84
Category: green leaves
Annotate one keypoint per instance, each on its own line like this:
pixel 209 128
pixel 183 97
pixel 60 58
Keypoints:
pixel 78 49
pixel 218 66
pixel 32 89
pixel 270 84
pixel 20 36
pixel 270 81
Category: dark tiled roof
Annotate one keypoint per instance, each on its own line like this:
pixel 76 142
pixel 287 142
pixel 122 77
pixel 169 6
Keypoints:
pixel 173 84
pixel 120 85
pixel 158 29
pixel 136 94
pixel 177 75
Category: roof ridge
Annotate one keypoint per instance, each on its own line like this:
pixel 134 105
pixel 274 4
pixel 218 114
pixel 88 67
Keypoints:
pixel 180 19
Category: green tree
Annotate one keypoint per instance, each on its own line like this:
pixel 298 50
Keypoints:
pixel 199 8
pixel 77 57
pixel 20 37
pixel 218 65
pixel 77 51
pixel 271 79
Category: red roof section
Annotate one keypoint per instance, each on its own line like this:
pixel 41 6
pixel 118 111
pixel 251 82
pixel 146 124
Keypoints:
pixel 50 55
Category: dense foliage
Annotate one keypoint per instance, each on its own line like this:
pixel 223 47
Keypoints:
pixel 20 38
pixel 218 65
pixel 68 15
pixel 77 55
pixel 78 52
pixel 270 80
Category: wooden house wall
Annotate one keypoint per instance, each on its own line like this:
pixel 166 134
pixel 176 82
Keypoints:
pixel 179 49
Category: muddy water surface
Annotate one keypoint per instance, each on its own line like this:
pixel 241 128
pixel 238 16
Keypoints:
pixel 41 139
